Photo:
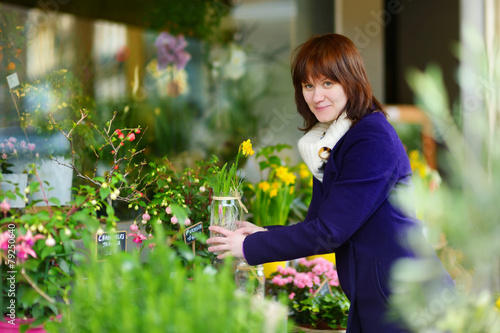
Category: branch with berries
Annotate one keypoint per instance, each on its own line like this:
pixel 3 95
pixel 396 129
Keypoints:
pixel 117 143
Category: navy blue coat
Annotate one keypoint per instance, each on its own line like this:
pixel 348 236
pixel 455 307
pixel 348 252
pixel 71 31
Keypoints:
pixel 352 214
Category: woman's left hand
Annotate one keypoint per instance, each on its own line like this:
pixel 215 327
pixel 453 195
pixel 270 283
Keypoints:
pixel 231 244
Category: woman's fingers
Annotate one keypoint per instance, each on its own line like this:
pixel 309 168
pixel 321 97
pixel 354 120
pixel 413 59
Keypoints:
pixel 243 231
pixel 220 230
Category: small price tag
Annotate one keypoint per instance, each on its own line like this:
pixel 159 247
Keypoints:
pixel 109 243
pixel 190 233
pixel 13 81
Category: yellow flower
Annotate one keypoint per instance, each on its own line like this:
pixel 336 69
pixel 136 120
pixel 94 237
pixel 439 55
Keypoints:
pixel 285 176
pixel 414 155
pixel 422 170
pixel 264 186
pixel 497 303
pixel 246 148
pixel 304 171
pixel 292 189
pixel 274 190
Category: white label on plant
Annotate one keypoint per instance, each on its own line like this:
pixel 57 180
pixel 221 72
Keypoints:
pixel 13 80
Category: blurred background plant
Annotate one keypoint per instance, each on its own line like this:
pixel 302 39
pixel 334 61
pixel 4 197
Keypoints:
pixel 464 211
pixel 14 153
pixel 12 40
pixel 124 294
pixel 312 291
pixel 280 197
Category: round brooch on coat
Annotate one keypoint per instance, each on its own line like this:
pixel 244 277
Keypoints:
pixel 324 153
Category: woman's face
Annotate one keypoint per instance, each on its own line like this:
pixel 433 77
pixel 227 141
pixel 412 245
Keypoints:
pixel 325 98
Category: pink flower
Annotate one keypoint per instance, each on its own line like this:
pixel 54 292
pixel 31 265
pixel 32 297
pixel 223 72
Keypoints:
pixel 168 210
pixel 23 250
pixel 303 280
pixel 2 145
pixel 146 216
pixel 138 238
pixel 4 240
pixel 187 221
pixel 28 238
pixel 4 206
pixel 279 280
pixel 151 245
pixel 291 296
pixel 131 137
pixel 334 278
pixel 220 210
pixel 31 146
pixel 134 227
pixel 174 219
pixel 121 136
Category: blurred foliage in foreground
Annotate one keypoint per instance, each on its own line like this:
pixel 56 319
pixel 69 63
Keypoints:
pixel 464 214
pixel 124 295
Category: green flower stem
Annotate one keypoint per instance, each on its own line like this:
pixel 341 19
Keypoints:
pixel 37 289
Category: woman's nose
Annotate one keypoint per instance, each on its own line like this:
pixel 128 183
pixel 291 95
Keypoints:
pixel 318 96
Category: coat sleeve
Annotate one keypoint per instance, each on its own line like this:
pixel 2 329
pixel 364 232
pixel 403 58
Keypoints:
pixel 369 172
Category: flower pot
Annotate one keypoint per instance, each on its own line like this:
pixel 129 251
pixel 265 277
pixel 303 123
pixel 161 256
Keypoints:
pixel 9 326
pixel 329 256
pixel 60 179
pixel 250 278
pixel 10 182
pixel 224 212
pixel 271 267
pixel 310 329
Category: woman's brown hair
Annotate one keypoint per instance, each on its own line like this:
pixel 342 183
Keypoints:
pixel 336 58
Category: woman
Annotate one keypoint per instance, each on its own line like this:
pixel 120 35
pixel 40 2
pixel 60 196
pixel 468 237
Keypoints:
pixel 358 163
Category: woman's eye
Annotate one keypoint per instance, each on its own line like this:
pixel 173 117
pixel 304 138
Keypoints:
pixel 308 86
pixel 328 84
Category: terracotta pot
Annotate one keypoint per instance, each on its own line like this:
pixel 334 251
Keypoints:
pixel 8 327
pixel 321 328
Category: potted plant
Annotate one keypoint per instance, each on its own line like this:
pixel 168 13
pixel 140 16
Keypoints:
pixel 45 107
pixel 279 194
pixel 175 195
pixel 313 294
pixel 226 185
pixel 38 249
pixel 15 155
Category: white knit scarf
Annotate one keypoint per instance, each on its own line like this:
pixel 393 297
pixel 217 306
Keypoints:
pixel 315 146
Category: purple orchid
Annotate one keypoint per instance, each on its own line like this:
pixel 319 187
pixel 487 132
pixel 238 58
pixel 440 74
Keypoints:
pixel 170 50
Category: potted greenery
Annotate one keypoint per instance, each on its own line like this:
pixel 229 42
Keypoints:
pixel 124 294
pixel 313 294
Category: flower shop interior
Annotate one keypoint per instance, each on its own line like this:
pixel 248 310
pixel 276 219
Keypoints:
pixel 124 123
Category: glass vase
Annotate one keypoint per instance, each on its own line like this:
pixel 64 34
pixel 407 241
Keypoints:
pixel 250 278
pixel 225 210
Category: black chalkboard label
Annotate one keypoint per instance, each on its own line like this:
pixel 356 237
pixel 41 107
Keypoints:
pixel 109 243
pixel 189 233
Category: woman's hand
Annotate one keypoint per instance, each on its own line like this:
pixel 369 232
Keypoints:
pixel 231 244
pixel 247 228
